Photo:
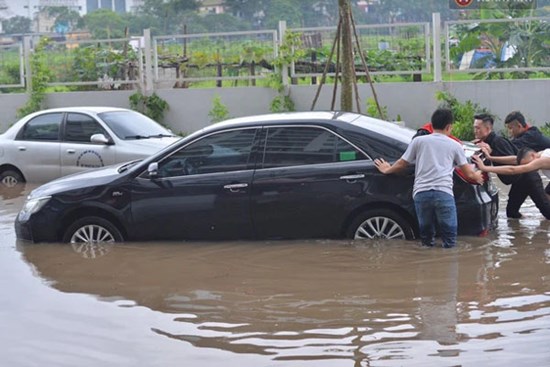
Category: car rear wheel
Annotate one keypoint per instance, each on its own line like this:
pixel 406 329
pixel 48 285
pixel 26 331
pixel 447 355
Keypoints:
pixel 380 224
pixel 10 178
pixel 92 230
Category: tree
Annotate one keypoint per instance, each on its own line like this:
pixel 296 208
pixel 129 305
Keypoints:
pixel 346 96
pixel 223 23
pixel 17 24
pixel 319 12
pixel 277 10
pixel 104 23
pixel 65 18
pixel 168 13
pixel 249 10
pixel 138 22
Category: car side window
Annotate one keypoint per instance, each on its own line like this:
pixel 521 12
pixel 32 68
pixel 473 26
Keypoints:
pixel 80 128
pixel 221 152
pixel 42 128
pixel 293 146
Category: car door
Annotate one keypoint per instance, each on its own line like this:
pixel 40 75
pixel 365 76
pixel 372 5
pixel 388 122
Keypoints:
pixel 201 191
pixel 36 148
pixel 307 183
pixel 78 153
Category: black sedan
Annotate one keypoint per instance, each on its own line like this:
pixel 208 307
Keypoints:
pixel 294 175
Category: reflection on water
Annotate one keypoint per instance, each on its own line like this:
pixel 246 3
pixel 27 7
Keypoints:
pixel 315 303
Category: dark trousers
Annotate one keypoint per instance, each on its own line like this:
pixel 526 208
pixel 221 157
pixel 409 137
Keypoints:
pixel 528 185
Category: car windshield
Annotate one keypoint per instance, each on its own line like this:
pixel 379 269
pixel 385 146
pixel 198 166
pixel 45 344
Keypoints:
pixel 133 125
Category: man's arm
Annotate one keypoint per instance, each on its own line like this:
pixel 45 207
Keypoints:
pixel 387 168
pixel 509 170
pixel 472 175
pixel 509 159
pixel 502 154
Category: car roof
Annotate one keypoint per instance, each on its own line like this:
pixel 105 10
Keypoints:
pixel 334 118
pixel 291 117
pixel 88 109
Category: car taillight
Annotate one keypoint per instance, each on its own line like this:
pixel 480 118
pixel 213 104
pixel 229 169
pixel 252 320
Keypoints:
pixel 466 179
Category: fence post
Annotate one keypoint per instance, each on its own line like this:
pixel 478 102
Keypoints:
pixel 436 27
pixel 149 85
pixel 284 67
pixel 27 60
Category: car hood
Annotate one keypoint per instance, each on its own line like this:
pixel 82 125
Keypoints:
pixel 93 177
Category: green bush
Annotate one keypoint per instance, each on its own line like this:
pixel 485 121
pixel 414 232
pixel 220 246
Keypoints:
pixel 219 111
pixel 41 75
pixel 546 129
pixel 152 106
pixel 463 112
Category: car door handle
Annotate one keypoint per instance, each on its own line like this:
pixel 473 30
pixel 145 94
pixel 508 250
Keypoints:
pixel 22 148
pixel 352 177
pixel 71 151
pixel 235 187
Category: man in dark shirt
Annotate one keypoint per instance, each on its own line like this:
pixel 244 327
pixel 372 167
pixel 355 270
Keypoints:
pixel 523 135
pixel 522 186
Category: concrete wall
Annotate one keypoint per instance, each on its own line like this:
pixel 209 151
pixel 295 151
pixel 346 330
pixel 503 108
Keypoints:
pixel 414 102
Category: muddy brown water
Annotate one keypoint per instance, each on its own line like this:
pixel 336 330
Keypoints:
pixel 280 303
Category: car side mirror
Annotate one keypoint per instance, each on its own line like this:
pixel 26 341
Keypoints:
pixel 153 170
pixel 100 139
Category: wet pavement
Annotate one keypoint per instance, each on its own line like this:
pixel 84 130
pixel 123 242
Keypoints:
pixel 279 303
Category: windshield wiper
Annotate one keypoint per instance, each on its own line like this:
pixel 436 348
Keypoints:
pixel 136 137
pixel 128 165
pixel 161 136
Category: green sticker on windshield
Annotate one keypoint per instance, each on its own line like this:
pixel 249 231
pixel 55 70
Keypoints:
pixel 347 156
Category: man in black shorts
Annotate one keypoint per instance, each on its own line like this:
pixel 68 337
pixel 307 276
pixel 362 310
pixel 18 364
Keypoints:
pixel 522 186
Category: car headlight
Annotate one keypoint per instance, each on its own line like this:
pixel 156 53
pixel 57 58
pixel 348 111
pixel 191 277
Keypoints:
pixel 32 206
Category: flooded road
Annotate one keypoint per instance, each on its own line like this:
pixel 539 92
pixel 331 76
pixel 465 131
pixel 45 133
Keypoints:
pixel 298 303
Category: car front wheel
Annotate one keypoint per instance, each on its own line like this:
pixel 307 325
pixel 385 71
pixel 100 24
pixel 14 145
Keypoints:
pixel 11 178
pixel 380 224
pixel 92 230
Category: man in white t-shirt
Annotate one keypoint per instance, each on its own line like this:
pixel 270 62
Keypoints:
pixel 527 159
pixel 435 156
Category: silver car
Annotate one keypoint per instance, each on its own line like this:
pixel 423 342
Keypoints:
pixel 57 142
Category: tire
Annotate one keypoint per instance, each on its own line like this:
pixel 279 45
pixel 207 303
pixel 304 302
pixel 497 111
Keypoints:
pixel 11 178
pixel 92 230
pixel 380 224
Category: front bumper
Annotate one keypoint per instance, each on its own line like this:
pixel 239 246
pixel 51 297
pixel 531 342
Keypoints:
pixel 36 229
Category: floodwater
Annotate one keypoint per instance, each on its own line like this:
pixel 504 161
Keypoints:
pixel 299 303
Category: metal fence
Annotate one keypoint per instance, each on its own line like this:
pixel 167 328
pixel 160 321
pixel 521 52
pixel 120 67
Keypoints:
pixel 12 70
pixel 497 45
pixel 390 49
pixel 205 60
pixel 180 59
pixel 104 64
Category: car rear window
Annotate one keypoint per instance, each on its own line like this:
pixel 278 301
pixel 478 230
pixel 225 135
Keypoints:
pixel 292 146
pixel 44 128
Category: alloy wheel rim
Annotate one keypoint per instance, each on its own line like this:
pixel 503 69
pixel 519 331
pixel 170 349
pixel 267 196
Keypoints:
pixel 379 228
pixel 92 233
pixel 9 181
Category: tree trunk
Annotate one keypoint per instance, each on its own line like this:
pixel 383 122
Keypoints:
pixel 346 96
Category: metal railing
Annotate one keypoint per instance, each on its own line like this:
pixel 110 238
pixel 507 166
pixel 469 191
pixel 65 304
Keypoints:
pixel 12 66
pixel 180 60
pixel 106 64
pixel 390 49
pixel 213 56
